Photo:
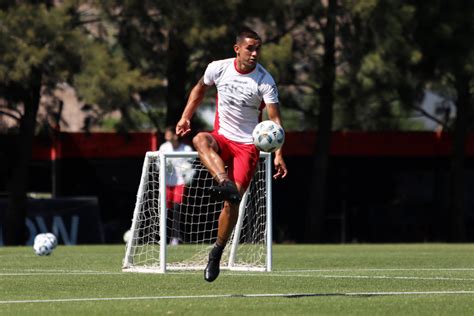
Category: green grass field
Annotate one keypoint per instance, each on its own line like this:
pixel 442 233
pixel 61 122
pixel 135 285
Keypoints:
pixel 418 279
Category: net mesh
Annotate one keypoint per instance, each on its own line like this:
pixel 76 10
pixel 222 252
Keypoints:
pixel 191 226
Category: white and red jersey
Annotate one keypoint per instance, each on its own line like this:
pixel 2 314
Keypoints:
pixel 175 167
pixel 241 98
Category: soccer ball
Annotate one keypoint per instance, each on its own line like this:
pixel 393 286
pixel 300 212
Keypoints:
pixel 46 236
pixel 44 249
pixel 43 246
pixel 268 136
pixel 127 235
pixel 52 238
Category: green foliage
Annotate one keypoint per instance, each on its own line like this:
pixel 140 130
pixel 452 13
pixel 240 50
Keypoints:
pixel 172 41
pixel 109 124
pixel 387 52
pixel 376 89
pixel 51 41
pixel 106 78
pixel 444 34
pixel 362 8
pixel 278 58
pixel 31 37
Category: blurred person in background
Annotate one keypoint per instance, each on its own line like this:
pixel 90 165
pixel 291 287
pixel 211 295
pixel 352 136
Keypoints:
pixel 176 178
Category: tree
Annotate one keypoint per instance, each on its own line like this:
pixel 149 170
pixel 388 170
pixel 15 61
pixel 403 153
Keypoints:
pixel 376 88
pixel 172 41
pixel 317 202
pixel 444 33
pixel 41 46
pixel 398 49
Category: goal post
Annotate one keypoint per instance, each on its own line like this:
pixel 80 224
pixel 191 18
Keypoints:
pixel 193 222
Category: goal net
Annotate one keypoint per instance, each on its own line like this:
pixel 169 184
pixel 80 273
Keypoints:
pixel 193 222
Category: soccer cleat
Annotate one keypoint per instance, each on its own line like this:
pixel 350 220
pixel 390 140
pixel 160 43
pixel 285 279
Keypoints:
pixel 213 265
pixel 225 191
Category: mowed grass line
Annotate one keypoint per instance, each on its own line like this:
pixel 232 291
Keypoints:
pixel 417 279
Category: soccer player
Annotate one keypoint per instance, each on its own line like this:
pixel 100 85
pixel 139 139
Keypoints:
pixel 244 89
pixel 174 178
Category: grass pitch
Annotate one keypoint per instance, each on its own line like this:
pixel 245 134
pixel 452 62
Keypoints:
pixel 415 279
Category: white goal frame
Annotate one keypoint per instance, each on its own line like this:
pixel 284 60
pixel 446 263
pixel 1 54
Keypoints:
pixel 163 266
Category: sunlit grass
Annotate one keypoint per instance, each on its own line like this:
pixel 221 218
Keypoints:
pixel 416 279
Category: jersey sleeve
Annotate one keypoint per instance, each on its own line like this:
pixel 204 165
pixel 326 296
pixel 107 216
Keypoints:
pixel 210 75
pixel 269 91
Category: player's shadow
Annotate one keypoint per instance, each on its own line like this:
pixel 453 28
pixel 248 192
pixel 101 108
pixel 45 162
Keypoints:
pixel 300 295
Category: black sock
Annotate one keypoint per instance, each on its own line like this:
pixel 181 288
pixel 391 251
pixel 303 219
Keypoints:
pixel 217 250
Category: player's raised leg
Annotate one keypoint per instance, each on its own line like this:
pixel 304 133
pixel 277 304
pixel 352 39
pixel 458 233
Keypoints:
pixel 208 149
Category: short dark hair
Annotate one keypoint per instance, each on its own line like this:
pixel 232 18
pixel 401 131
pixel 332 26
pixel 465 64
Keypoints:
pixel 246 32
pixel 170 128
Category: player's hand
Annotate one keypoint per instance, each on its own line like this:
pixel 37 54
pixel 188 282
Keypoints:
pixel 280 167
pixel 183 127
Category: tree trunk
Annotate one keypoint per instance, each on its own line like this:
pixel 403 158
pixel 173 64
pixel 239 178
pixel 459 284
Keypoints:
pixel 15 229
pixel 317 201
pixel 457 203
pixel 177 57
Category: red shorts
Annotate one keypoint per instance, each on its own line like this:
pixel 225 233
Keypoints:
pixel 241 159
pixel 174 195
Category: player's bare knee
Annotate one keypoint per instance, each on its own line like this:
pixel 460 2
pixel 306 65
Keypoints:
pixel 204 142
pixel 199 141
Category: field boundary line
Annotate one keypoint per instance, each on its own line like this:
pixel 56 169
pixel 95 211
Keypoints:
pixel 335 276
pixel 322 276
pixel 57 273
pixel 373 269
pixel 393 277
pixel 258 295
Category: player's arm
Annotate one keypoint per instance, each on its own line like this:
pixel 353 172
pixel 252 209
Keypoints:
pixel 273 111
pixel 194 101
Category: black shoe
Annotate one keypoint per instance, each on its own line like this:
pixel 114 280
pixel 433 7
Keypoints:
pixel 213 266
pixel 225 191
